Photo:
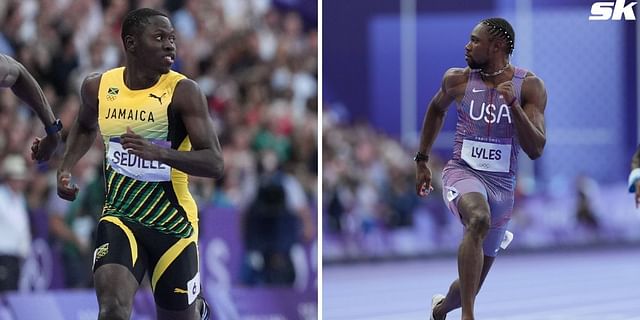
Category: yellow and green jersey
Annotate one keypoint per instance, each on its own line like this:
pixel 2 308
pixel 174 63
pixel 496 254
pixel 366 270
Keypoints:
pixel 148 192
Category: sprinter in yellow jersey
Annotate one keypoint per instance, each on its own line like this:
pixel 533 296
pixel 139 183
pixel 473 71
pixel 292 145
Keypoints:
pixel 156 130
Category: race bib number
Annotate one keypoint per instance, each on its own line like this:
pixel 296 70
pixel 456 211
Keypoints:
pixel 486 156
pixel 137 168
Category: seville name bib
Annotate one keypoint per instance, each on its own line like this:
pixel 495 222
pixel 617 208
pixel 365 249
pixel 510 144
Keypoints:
pixel 132 166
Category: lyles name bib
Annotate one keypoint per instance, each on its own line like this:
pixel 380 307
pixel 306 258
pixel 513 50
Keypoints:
pixel 132 166
pixel 486 156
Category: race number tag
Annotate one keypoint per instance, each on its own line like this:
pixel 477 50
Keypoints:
pixel 137 168
pixel 486 156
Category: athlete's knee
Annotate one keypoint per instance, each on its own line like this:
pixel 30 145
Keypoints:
pixel 479 223
pixel 114 308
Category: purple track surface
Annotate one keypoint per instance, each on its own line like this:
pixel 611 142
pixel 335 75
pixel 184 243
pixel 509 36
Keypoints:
pixel 603 285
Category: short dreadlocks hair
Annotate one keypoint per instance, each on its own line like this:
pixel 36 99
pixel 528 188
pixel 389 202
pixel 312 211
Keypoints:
pixel 136 20
pixel 501 28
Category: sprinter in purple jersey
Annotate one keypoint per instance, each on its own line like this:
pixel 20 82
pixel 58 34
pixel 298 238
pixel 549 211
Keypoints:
pixel 500 109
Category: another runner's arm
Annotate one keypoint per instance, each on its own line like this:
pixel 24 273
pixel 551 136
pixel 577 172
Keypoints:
pixel 13 74
pixel 205 158
pixel 529 119
pixel 635 161
pixel 84 130
pixel 634 176
pixel 437 110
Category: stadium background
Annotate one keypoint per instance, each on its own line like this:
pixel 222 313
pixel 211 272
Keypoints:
pixel 386 251
pixel 256 62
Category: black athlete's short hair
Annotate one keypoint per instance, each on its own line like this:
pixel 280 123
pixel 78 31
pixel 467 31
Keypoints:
pixel 501 28
pixel 137 19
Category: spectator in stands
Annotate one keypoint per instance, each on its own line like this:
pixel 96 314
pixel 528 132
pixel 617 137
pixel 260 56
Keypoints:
pixel 275 220
pixel 15 242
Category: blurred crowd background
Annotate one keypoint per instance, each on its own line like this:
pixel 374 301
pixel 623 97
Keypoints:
pixel 573 196
pixel 256 62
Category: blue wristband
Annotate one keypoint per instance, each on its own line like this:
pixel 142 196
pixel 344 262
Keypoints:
pixel 54 128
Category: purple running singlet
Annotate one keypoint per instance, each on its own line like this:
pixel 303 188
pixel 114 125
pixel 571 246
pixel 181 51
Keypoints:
pixel 485 154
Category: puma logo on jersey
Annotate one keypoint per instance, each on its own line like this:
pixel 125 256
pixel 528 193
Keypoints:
pixel 487 113
pixel 100 252
pixel 151 95
pixel 194 289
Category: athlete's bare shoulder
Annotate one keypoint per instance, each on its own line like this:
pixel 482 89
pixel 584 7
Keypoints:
pixel 454 81
pixel 532 83
pixel 89 90
pixel 533 91
pixel 91 84
pixel 88 115
pixel 532 78
pixel 188 97
pixel 454 75
pixel 186 89
pixel 187 86
pixel 92 78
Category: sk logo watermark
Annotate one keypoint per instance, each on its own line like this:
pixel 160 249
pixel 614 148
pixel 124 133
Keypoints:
pixel 618 10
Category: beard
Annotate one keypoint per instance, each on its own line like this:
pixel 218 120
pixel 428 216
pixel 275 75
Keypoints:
pixel 474 64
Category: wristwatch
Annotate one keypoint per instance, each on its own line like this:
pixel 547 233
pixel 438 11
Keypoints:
pixel 53 128
pixel 420 157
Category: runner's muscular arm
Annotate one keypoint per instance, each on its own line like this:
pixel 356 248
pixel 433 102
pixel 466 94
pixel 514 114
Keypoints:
pixel 437 110
pixel 13 74
pixel 433 121
pixel 82 135
pixel 529 119
pixel 22 83
pixel 205 158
